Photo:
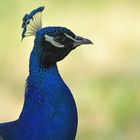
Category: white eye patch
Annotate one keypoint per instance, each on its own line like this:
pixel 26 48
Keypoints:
pixel 76 42
pixel 53 42
pixel 1 138
pixel 68 36
pixel 56 44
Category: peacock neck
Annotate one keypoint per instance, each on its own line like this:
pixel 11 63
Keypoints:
pixel 41 85
pixel 49 104
pixel 35 61
pixel 42 81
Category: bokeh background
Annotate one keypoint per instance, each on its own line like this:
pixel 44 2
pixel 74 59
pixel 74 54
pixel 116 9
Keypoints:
pixel 104 78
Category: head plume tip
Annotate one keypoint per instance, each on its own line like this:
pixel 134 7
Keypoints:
pixel 32 22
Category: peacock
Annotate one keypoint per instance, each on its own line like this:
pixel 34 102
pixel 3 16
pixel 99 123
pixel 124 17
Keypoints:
pixel 49 111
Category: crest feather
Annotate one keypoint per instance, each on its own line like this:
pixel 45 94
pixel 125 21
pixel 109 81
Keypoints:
pixel 32 22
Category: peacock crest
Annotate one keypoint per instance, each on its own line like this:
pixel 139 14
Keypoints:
pixel 32 22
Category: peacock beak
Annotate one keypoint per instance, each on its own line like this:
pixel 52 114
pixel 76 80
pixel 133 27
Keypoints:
pixel 81 41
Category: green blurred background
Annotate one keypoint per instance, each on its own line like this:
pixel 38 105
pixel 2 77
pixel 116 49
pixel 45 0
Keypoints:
pixel 104 78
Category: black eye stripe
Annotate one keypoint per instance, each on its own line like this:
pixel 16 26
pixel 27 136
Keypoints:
pixel 59 39
pixel 62 39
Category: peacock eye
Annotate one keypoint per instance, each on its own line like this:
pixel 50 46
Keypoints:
pixel 60 39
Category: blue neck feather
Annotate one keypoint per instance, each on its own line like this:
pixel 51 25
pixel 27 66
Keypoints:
pixel 49 111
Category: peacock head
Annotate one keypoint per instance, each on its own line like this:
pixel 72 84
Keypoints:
pixel 53 43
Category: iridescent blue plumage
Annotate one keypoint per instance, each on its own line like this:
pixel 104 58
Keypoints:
pixel 49 111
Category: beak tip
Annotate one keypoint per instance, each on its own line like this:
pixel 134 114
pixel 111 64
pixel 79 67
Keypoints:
pixel 83 41
pixel 91 43
pixel 88 42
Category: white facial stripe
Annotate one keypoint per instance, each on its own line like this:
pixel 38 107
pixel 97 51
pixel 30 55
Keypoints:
pixel 1 138
pixel 76 42
pixel 68 36
pixel 51 40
